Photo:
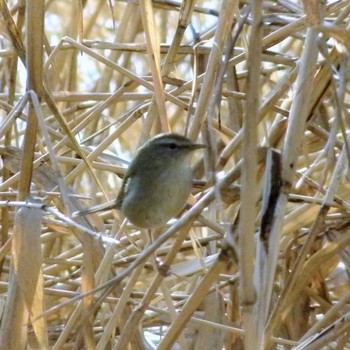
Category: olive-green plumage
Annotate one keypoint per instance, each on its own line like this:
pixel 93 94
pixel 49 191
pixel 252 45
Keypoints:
pixel 157 183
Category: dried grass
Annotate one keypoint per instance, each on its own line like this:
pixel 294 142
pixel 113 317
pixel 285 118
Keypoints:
pixel 260 258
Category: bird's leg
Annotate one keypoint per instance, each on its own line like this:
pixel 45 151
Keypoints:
pixel 157 263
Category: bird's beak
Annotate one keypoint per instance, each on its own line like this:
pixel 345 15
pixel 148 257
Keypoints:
pixel 198 146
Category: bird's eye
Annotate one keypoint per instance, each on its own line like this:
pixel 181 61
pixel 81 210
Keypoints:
pixel 172 145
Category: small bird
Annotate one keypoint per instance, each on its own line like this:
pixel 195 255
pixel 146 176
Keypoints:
pixel 157 183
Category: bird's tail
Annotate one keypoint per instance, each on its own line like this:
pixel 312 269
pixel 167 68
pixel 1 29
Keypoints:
pixel 96 208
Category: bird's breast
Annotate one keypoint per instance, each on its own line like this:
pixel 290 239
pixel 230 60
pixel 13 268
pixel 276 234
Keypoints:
pixel 152 199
